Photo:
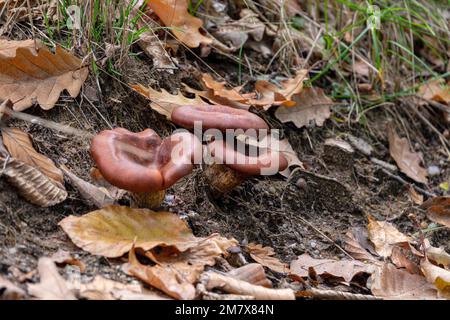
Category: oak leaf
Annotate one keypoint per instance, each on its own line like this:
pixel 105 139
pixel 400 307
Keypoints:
pixel 174 14
pixel 311 104
pixel 163 102
pixel 438 210
pixel 52 285
pixel 384 236
pixel 345 269
pixel 264 256
pixel 219 89
pixel 407 161
pixel 29 78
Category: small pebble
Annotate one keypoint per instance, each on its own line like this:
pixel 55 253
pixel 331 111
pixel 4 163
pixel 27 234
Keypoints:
pixel 313 244
pixel 433 171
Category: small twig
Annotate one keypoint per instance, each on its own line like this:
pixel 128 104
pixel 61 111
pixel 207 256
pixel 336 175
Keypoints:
pixel 334 295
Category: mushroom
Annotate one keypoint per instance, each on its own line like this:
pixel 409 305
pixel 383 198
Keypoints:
pixel 217 117
pixel 143 163
pixel 232 165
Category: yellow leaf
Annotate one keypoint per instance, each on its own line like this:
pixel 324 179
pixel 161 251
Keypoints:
pixel 111 231
pixel 29 78
pixel 174 14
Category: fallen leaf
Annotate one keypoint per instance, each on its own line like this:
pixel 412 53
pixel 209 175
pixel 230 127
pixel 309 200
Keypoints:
pixel 31 183
pixel 403 258
pixel 213 280
pixel 407 161
pixel 219 89
pixel 63 258
pixel 391 283
pixel 21 148
pixel 286 95
pixel 438 255
pixel 9 291
pixel 345 269
pixel 8 48
pixel 188 265
pixel 163 102
pixel 384 236
pixel 436 90
pixel 51 286
pixel 111 231
pixel 163 278
pixel 438 210
pixel 264 256
pixel 311 104
pixel 174 14
pixel 356 243
pixel 27 78
pixel 415 197
pixel 439 277
pixel 98 196
pixel 252 273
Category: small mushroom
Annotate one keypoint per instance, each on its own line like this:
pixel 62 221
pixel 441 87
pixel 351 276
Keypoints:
pixel 143 163
pixel 232 166
pixel 217 117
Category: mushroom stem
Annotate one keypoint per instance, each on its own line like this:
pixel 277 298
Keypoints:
pixel 148 200
pixel 222 179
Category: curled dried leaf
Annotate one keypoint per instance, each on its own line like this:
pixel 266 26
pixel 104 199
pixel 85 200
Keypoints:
pixel 438 210
pixel 264 256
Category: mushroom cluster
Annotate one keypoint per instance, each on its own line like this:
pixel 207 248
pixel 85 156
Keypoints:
pixel 231 163
pixel 143 163
pixel 146 165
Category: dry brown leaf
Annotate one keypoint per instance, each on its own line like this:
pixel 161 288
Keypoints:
pixel 174 14
pixel 438 255
pixel 188 265
pixel 21 148
pixel 214 99
pixel 8 48
pixel 111 231
pixel 407 161
pixel 345 269
pixel 219 89
pixel 63 258
pixel 9 291
pixel 31 183
pixel 27 78
pixel 264 256
pixel 403 258
pixel 51 286
pixel 415 197
pixel 439 277
pixel 311 104
pixel 438 210
pixel 391 283
pixel 270 94
pixel 436 90
pixel 99 196
pixel 252 273
pixel 163 102
pixel 384 236
pixel 356 242
pixel 163 278
pixel 213 280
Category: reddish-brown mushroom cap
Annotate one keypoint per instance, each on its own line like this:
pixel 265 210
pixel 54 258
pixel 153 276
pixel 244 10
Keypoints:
pixel 143 162
pixel 226 154
pixel 217 117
